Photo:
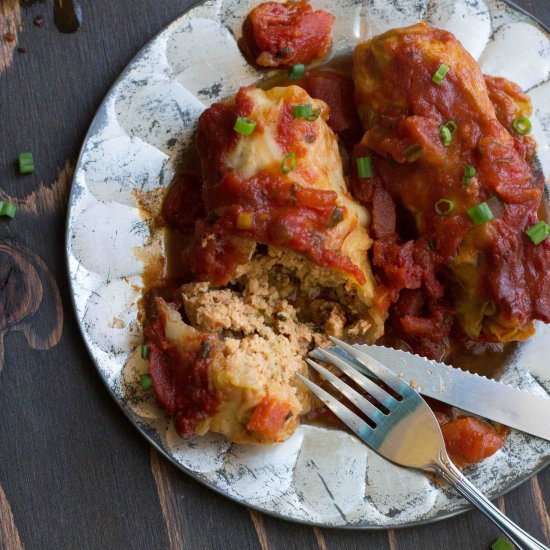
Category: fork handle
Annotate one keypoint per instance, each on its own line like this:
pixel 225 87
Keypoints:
pixel 448 471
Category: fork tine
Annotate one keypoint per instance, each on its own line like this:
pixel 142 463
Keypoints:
pixel 381 395
pixel 349 418
pixel 356 398
pixel 381 371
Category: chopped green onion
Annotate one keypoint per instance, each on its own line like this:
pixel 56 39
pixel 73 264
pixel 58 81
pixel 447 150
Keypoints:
pixel 144 352
pixel 288 163
pixel 302 111
pixel 364 167
pixel 412 152
pixel 469 173
pixel 146 381
pixel 7 209
pixel 26 163
pixel 480 214
pixel 440 74
pixel 315 115
pixel 538 232
pixel 446 136
pixel 501 544
pixel 452 125
pixel 296 72
pixel 244 126
pixel 444 206
pixel 522 125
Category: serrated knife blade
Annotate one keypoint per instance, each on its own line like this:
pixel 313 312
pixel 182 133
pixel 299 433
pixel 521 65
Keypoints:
pixel 470 392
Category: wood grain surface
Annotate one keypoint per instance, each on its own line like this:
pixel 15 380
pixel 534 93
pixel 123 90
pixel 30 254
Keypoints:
pixel 74 473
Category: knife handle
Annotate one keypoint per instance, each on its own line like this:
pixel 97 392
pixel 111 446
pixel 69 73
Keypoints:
pixel 448 471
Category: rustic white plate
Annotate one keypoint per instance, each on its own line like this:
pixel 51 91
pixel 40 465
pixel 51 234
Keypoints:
pixel 319 476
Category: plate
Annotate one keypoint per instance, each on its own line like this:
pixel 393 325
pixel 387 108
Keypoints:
pixel 137 140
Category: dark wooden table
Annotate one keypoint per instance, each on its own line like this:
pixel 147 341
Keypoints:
pixel 74 473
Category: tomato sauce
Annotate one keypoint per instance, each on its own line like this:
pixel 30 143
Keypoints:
pixel 181 379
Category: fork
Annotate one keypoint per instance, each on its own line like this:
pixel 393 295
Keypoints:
pixel 406 433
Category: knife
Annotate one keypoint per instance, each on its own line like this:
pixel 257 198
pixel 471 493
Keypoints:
pixel 470 392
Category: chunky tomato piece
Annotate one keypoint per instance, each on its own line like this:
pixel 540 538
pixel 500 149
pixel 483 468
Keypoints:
pixel 281 35
pixel 269 416
pixel 470 440
pixel 163 379
pixel 181 379
pixel 337 91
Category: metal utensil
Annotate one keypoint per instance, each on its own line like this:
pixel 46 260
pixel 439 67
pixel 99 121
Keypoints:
pixel 470 392
pixel 406 433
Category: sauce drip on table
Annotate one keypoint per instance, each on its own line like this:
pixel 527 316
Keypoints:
pixel 67 15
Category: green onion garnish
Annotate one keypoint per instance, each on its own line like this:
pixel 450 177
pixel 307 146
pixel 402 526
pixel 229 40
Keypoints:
pixel 446 136
pixel 522 125
pixel 7 209
pixel 452 125
pixel 364 167
pixel 26 163
pixel 501 544
pixel 302 111
pixel 315 115
pixel 146 381
pixel 480 214
pixel 469 173
pixel 440 74
pixel 144 352
pixel 244 126
pixel 288 163
pixel 296 71
pixel 538 232
pixel 412 152
pixel 444 206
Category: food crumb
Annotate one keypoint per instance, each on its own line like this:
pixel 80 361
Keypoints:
pixel 413 384
pixel 10 37
pixel 401 374
pixel 117 323
pixel 38 21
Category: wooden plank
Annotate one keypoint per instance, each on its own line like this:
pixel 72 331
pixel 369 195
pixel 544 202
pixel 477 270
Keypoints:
pixel 527 507
pixel 9 535
pixel 283 535
pixel 334 539
pixel 198 518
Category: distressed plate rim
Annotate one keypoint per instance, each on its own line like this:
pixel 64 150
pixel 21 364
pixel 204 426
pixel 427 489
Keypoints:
pixel 150 434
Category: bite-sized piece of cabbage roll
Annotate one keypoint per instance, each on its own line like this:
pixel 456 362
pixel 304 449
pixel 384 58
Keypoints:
pixel 228 386
pixel 440 151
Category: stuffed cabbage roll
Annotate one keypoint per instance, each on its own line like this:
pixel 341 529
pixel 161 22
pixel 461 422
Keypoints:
pixel 278 261
pixel 443 159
